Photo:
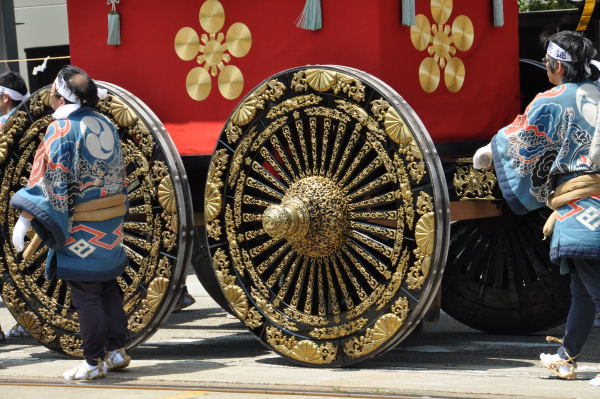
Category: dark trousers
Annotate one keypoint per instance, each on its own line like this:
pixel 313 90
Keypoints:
pixel 102 320
pixel 585 296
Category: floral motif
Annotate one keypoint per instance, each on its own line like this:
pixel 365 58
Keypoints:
pixel 212 51
pixel 441 42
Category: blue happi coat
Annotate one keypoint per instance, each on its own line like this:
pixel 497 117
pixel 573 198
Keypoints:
pixel 545 147
pixel 78 160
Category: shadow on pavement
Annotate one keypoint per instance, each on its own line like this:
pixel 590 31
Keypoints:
pixel 219 347
pixel 183 319
pixel 134 372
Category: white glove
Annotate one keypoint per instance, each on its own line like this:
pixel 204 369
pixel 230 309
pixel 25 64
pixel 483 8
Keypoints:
pixel 483 157
pixel 18 236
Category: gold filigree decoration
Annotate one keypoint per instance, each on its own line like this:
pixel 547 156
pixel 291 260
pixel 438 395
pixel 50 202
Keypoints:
pixel 401 307
pixel 305 350
pixel 71 345
pixel 212 51
pixel 399 132
pixel 385 327
pixel 3 148
pixel 425 233
pixel 405 191
pixel 339 331
pixel 471 183
pixel 214 229
pixel 245 112
pixel 166 195
pixel 31 323
pixel 142 136
pixel 234 294
pixel 273 315
pixel 362 117
pixel 122 114
pixel 212 200
pixel 441 42
pixel 425 238
pixel 9 294
pixel 292 104
pixel 232 132
pixel 169 234
pixel 396 280
pixel 39 102
pixel 323 80
pixel 156 291
pixel 214 183
pixel 236 299
pixel 15 123
pixel 424 203
pixel 394 125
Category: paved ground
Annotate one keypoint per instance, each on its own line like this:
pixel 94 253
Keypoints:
pixel 202 348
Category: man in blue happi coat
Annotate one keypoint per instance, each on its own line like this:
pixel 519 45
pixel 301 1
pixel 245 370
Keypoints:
pixel 75 201
pixel 12 92
pixel 550 156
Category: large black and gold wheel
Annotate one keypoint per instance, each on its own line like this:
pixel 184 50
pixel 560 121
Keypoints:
pixel 327 215
pixel 499 277
pixel 157 231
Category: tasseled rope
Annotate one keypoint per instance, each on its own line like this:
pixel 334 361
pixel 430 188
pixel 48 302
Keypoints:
pixel 114 24
pixel 311 17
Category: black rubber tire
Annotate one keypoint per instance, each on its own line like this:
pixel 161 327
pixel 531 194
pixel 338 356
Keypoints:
pixel 202 265
pixel 499 278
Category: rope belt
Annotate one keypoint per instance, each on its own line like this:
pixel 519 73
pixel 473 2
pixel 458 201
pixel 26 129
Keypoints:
pixel 100 209
pixel 579 187
pixel 90 211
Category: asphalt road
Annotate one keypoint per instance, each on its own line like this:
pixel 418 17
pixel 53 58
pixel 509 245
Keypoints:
pixel 202 353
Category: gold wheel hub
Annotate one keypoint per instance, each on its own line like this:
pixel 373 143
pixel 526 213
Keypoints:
pixel 313 217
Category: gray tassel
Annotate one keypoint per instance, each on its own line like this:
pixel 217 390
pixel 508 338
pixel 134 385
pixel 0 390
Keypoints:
pixel 114 29
pixel 498 13
pixel 408 12
pixel 311 17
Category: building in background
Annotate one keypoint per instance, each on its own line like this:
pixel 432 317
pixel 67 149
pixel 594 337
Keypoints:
pixel 8 36
pixel 34 29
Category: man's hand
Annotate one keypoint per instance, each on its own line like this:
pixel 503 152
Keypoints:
pixel 18 236
pixel 483 157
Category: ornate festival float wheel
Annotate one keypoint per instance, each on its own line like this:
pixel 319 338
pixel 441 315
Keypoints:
pixel 156 234
pixel 499 277
pixel 327 215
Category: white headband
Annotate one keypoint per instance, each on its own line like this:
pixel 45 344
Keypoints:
pixel 555 51
pixel 13 94
pixel 63 90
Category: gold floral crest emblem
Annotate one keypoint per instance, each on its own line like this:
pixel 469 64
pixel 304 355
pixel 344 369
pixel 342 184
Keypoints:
pixel 441 42
pixel 212 50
